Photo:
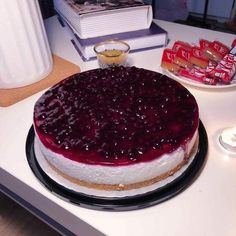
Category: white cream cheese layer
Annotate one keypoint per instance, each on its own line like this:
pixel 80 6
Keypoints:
pixel 118 175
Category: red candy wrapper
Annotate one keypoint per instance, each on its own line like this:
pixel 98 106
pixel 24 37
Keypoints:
pixel 211 66
pixel 183 58
pixel 208 63
pixel 198 58
pixel 167 61
pixel 180 44
pixel 223 75
pixel 216 50
pixel 197 75
pixel 204 43
pixel 226 69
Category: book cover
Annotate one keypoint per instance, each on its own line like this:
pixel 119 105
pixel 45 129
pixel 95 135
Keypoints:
pixel 89 6
pixel 138 40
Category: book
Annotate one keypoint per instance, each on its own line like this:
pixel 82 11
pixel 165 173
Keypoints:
pixel 138 40
pixel 93 18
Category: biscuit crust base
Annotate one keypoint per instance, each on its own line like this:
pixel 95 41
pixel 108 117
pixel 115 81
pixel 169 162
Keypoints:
pixel 121 187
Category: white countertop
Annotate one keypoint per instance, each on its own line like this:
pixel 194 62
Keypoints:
pixel 207 207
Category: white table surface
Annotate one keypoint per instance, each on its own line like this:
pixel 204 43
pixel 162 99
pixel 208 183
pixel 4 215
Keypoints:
pixel 207 207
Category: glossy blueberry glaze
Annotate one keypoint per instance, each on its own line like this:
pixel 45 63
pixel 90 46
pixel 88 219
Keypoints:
pixel 116 116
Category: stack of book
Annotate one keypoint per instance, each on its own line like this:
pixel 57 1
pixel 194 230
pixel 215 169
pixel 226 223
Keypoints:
pixel 91 21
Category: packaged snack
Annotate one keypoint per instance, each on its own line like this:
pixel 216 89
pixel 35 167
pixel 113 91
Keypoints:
pixel 208 63
pixel 198 58
pixel 167 61
pixel 228 61
pixel 211 66
pixel 223 75
pixel 203 43
pixel 216 50
pixel 182 58
pixel 180 44
pixel 197 75
pixel 225 69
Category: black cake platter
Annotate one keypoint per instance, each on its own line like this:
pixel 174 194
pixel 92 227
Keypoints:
pixel 125 203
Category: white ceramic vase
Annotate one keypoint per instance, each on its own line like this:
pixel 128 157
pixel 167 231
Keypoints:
pixel 25 56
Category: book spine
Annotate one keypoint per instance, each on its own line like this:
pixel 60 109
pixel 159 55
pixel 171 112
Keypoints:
pixel 85 56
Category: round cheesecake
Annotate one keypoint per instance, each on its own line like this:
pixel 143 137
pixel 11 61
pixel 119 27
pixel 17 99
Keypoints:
pixel 116 129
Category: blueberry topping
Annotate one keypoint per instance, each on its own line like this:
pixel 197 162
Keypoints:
pixel 116 116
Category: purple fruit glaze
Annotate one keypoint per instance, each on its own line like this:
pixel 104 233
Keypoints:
pixel 116 116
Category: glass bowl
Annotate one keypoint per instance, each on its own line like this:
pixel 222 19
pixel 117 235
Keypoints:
pixel 112 53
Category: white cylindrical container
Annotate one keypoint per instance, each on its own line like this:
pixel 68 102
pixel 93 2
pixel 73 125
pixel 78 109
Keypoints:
pixel 25 56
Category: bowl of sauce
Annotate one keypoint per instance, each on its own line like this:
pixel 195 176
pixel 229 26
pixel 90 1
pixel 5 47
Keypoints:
pixel 112 53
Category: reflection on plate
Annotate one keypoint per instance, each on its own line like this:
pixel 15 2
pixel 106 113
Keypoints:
pixel 191 82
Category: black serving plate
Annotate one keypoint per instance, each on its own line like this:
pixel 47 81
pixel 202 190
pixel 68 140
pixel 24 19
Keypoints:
pixel 125 203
